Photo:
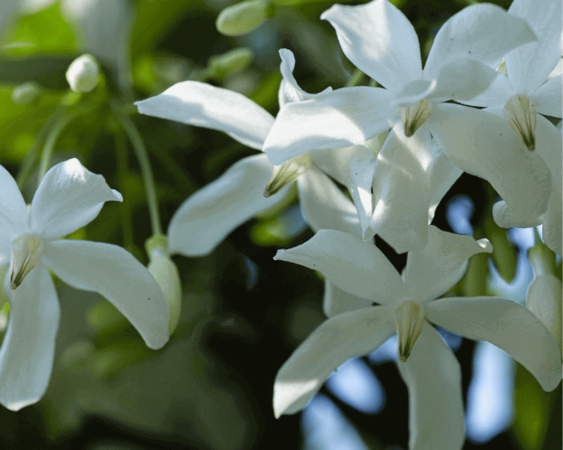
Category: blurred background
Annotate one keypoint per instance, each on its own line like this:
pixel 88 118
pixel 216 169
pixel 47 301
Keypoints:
pixel 243 314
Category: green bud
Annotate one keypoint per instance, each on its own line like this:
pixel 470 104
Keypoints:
pixel 83 74
pixel 25 93
pixel 236 60
pixel 243 17
pixel 474 282
pixel 504 254
pixel 164 271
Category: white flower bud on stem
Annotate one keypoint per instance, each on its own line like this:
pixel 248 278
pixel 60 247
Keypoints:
pixel 83 74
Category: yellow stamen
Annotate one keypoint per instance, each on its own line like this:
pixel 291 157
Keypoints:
pixel 287 173
pixel 409 318
pixel 415 116
pixel 26 251
pixel 520 112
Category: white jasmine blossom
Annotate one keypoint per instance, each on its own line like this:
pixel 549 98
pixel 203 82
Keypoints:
pixel 407 305
pixel 68 198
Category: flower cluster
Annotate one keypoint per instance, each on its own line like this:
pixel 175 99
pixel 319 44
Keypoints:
pixel 367 161
pixel 478 106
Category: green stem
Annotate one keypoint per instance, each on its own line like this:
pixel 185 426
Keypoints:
pixel 143 158
pixel 31 156
pixel 168 163
pixel 355 78
pixel 50 141
pixel 122 170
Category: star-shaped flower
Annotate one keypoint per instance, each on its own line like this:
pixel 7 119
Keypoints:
pixel 412 173
pixel 68 198
pixel 208 215
pixel 407 306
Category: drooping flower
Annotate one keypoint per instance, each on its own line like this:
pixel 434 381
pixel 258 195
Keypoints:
pixel 68 198
pixel 381 42
pixel 253 184
pixel 408 305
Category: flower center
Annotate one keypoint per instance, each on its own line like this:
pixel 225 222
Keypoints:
pixel 415 116
pixel 26 251
pixel 287 173
pixel 409 318
pixel 520 112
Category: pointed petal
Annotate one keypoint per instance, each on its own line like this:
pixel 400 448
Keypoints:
pixel 336 301
pixel 484 145
pixel 289 89
pixel 115 274
pixel 211 213
pixel 379 40
pixel 338 339
pixel 354 168
pixel 528 66
pixel 26 357
pixel 548 97
pixel 13 213
pixel 324 206
pixel 433 378
pixel 507 325
pixel 496 94
pixel 353 265
pixel 203 105
pixel 68 198
pixel 336 119
pixel 482 32
pixel 434 269
pixel 401 189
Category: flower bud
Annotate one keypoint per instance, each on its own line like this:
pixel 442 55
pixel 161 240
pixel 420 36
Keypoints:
pixel 83 74
pixel 25 93
pixel 164 271
pixel 236 60
pixel 243 17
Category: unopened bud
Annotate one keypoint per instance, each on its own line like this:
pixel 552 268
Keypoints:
pixel 83 74
pixel 25 93
pixel 236 60
pixel 164 271
pixel 409 319
pixel 242 18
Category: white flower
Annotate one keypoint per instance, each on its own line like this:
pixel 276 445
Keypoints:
pixel 211 213
pixel 68 198
pixel 521 97
pixel 407 306
pixel 381 42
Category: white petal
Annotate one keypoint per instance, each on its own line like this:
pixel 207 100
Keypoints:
pixel 484 145
pixel 549 143
pixel 353 265
pixel 434 269
pixel 548 97
pixel 289 89
pixel 443 174
pixel 528 66
pixel 401 189
pixel 13 214
pixel 68 198
pixel 496 94
pixel 354 168
pixel 26 357
pixel 433 378
pixel 115 274
pixel 340 338
pixel 324 206
pixel 379 40
pixel 336 119
pixel 482 32
pixel 336 301
pixel 203 105
pixel 211 213
pixel 507 325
